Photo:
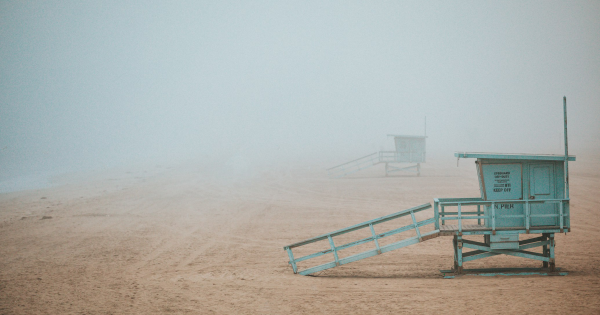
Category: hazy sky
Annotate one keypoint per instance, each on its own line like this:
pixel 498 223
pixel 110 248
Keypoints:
pixel 97 83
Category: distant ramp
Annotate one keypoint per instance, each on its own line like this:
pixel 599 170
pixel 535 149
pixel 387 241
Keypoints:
pixel 354 165
pixel 371 160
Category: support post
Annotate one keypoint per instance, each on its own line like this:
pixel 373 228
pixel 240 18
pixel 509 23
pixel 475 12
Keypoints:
pixel 292 261
pixel 455 253
pixel 459 254
pixel 545 251
pixel 478 214
pixel 552 262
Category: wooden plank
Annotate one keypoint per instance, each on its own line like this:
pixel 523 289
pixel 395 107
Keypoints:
pixel 317 268
pixel 426 237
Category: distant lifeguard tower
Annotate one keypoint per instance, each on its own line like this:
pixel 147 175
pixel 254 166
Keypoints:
pixel 409 149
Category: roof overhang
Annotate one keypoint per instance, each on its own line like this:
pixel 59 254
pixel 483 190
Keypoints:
pixel 513 156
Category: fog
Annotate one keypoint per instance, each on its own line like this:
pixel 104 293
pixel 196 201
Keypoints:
pixel 90 85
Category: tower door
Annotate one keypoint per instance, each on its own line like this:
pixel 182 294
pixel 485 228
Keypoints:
pixel 541 186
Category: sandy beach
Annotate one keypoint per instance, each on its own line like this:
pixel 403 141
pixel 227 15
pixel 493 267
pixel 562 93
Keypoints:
pixel 194 239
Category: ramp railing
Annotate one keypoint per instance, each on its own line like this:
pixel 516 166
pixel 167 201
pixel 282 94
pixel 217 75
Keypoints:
pixel 374 238
pixel 366 162
pixel 377 158
pixel 354 165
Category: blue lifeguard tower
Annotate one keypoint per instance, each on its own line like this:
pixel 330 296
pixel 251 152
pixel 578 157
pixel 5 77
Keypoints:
pixel 520 195
pixel 523 203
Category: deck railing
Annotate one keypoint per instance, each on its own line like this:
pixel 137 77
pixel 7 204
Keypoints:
pixel 441 215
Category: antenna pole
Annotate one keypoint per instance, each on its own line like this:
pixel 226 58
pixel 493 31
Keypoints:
pixel 566 150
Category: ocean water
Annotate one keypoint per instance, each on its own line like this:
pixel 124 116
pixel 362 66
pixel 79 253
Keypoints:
pixel 26 182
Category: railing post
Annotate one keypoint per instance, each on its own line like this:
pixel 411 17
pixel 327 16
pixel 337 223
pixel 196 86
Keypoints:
pixel 552 262
pixel 545 250
pixel 493 219
pixel 337 260
pixel 454 244
pixel 292 261
pixel 560 209
pixel 527 213
pixel 459 221
pixel 443 215
pixel 335 255
pixel 375 238
pixel 436 214
pixel 412 215
pixel 479 214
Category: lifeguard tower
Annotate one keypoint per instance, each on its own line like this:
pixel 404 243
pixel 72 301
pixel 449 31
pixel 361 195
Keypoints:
pixel 410 149
pixel 523 203
pixel 521 195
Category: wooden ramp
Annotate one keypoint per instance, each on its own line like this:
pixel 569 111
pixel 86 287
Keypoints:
pixel 420 237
